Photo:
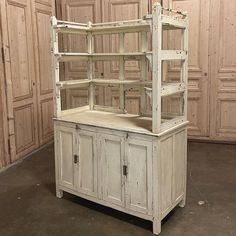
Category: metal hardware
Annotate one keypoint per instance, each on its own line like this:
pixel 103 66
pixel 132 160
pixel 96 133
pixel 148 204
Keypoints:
pixel 3 56
pixel 76 157
pixel 77 127
pixel 125 170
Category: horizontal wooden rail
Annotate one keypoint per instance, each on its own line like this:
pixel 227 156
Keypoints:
pixel 73 83
pixel 168 89
pixel 63 57
pixel 172 88
pixel 173 55
pixel 174 22
pixel 103 82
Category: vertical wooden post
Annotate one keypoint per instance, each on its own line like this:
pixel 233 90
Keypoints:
pixel 55 69
pixel 122 70
pixel 90 68
pixel 143 100
pixel 156 67
pixel 184 70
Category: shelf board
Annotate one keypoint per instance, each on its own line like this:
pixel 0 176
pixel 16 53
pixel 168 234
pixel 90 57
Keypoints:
pixel 173 55
pixel 103 82
pixel 168 89
pixel 119 121
pixel 165 55
pixel 120 27
pixel 63 57
pixel 118 82
pixel 170 22
pixel 172 88
pixel 73 83
pixel 173 22
pixel 72 29
pixel 104 28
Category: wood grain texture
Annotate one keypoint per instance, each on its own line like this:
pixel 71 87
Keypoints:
pixel 223 71
pixel 20 77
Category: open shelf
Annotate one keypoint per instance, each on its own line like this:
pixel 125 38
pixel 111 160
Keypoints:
pixel 102 82
pixel 72 56
pixel 150 91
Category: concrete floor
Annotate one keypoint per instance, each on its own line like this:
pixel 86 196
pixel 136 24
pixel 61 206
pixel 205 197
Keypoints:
pixel 28 205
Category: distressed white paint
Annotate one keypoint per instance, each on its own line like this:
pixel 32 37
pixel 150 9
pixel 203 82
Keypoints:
pixel 132 163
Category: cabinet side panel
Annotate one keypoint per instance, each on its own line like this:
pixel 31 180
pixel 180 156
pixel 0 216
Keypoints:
pixel 166 146
pixel 65 146
pixel 112 155
pixel 86 163
pixel 179 166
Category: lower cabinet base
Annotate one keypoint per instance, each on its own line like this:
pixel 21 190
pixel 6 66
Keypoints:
pixel 138 174
pixel 156 221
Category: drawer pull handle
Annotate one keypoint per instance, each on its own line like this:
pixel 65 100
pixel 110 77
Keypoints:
pixel 76 159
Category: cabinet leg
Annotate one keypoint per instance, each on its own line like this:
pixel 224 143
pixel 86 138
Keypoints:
pixel 59 193
pixel 183 202
pixel 156 226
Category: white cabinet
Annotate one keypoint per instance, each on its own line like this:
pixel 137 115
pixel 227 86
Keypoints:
pixel 124 164
pixel 139 174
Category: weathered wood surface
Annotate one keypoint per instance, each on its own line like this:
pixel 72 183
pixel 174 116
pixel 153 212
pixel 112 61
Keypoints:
pixel 139 174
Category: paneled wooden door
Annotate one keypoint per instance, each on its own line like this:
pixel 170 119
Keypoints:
pixel 27 66
pixel 42 10
pixel 20 76
pixel 223 70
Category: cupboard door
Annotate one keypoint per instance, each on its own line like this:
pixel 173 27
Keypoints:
pixel 139 176
pixel 86 166
pixel 112 157
pixel 66 148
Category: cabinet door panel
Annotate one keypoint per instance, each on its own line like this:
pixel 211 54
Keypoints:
pixel 138 184
pixel 86 167
pixel 112 156
pixel 66 149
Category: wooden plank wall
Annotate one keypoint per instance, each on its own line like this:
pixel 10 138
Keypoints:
pixel 25 42
pixel 4 155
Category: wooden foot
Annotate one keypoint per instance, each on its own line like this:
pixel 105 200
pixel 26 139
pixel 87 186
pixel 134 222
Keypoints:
pixel 183 202
pixel 156 226
pixel 59 193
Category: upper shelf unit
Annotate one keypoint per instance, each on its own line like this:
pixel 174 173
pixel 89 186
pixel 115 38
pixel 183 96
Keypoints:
pixel 155 23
